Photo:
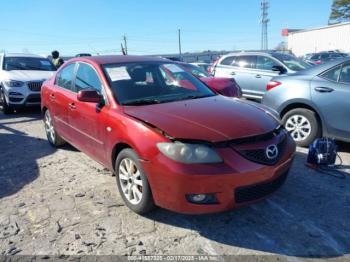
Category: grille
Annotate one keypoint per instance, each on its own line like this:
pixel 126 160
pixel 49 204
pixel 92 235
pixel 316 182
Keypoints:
pixel 257 191
pixel 259 155
pixel 35 86
pixel 33 98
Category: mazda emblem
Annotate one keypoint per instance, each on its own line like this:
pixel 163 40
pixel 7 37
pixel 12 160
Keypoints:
pixel 272 152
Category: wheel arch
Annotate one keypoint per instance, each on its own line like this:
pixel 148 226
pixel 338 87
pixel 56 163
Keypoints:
pixel 116 150
pixel 304 105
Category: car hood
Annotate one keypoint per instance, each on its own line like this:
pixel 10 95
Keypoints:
pixel 28 75
pixel 213 119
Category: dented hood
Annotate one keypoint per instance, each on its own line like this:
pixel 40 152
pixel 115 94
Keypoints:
pixel 213 119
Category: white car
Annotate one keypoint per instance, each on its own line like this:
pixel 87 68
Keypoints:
pixel 21 77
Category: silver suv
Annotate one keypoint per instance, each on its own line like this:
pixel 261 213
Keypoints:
pixel 253 70
pixel 21 77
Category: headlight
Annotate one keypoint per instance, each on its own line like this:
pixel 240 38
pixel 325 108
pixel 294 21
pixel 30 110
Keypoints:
pixel 189 153
pixel 13 83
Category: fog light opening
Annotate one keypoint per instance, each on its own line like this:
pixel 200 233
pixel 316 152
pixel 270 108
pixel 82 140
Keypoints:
pixel 202 198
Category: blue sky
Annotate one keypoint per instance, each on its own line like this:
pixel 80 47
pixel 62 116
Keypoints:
pixel 73 26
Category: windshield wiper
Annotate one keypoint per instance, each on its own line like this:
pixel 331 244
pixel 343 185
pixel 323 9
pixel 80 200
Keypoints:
pixel 186 97
pixel 148 101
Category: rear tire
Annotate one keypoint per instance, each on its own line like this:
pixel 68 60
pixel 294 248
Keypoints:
pixel 54 139
pixel 132 182
pixel 303 126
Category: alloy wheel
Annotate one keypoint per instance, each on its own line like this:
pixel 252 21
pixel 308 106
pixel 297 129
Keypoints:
pixel 49 128
pixel 299 127
pixel 130 181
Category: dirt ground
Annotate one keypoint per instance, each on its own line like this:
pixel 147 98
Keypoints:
pixel 55 202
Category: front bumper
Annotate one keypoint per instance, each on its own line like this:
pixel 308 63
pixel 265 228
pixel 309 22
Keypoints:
pixel 235 183
pixel 21 97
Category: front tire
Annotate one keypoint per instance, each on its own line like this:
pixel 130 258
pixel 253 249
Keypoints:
pixel 54 139
pixel 6 108
pixel 303 126
pixel 132 182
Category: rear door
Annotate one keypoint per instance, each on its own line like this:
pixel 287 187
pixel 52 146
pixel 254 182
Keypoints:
pixel 88 120
pixel 224 67
pixel 331 93
pixel 60 97
pixel 245 75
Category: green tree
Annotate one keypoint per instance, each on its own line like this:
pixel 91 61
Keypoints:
pixel 340 11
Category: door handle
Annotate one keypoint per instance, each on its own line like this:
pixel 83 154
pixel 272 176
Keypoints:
pixel 324 89
pixel 258 76
pixel 232 73
pixel 72 106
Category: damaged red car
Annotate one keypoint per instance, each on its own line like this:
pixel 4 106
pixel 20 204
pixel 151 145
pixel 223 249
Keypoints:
pixel 170 140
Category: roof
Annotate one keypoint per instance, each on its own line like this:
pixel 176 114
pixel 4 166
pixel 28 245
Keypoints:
pixel 21 55
pixel 262 52
pixel 114 59
pixel 317 69
pixel 321 28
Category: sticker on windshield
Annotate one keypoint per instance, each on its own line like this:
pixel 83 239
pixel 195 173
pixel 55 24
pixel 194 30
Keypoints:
pixel 45 63
pixel 118 73
pixel 174 68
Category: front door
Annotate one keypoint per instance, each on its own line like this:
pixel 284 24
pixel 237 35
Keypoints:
pixel 331 93
pixel 87 119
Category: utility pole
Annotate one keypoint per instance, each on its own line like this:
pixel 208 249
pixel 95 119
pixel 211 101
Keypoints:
pixel 125 44
pixel 264 22
pixel 179 34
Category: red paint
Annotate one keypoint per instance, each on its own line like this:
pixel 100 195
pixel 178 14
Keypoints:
pixel 212 119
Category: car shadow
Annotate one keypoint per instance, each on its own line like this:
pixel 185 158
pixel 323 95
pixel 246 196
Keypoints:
pixel 308 217
pixel 19 154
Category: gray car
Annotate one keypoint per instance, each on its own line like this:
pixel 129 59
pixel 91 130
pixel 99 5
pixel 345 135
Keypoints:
pixel 314 102
pixel 253 70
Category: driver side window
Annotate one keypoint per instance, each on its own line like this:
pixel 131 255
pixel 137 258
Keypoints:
pixel 87 78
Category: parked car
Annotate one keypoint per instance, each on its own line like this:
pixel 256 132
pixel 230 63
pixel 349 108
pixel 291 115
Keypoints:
pixel 21 77
pixel 82 54
pixel 253 70
pixel 323 57
pixel 313 102
pixel 224 86
pixel 202 65
pixel 172 144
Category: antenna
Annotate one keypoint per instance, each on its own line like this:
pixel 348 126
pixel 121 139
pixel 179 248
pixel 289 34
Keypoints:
pixel 264 22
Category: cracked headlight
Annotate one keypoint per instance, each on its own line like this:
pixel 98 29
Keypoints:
pixel 189 153
pixel 13 83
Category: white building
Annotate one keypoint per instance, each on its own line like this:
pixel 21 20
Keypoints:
pixel 332 37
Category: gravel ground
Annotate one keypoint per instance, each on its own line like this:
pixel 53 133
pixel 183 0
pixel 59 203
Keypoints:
pixel 56 202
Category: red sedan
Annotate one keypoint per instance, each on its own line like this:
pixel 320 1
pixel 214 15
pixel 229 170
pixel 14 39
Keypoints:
pixel 170 140
pixel 221 85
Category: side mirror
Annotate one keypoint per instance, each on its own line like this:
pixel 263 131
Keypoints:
pixel 89 96
pixel 279 68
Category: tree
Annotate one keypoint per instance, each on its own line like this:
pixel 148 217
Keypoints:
pixel 340 11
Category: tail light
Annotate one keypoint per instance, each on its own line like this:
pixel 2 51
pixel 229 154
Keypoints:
pixel 318 62
pixel 212 66
pixel 272 84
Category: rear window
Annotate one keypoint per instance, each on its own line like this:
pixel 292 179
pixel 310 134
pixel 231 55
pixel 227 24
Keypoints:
pixel 332 74
pixel 246 61
pixel 28 63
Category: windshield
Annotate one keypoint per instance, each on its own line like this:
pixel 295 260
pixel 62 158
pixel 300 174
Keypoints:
pixel 153 83
pixel 28 63
pixel 292 62
pixel 195 70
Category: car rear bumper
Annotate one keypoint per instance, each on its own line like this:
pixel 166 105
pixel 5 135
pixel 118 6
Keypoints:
pixel 235 183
